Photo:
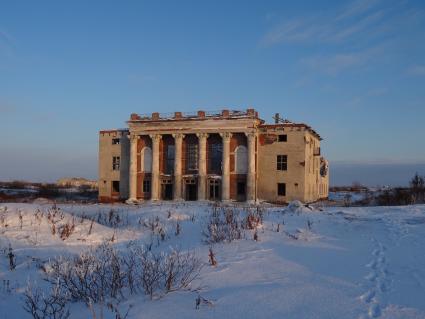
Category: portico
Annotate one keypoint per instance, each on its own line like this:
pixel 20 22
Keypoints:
pixel 201 168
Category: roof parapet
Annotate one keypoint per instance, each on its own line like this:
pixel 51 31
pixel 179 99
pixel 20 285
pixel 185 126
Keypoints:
pixel 155 116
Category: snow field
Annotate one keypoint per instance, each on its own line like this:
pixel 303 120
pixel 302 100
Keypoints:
pixel 307 262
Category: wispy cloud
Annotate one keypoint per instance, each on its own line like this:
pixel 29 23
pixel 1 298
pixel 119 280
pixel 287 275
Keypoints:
pixel 6 43
pixel 336 63
pixel 340 26
pixel 6 36
pixel 348 37
pixel 416 70
pixel 380 91
pixel 356 8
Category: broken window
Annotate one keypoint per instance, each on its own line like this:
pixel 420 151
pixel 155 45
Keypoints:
pixel 281 189
pixel 282 162
pixel 116 141
pixel 169 168
pixel 192 156
pixel 116 163
pixel 282 138
pixel 241 160
pixel 115 186
pixel 215 157
pixel 146 160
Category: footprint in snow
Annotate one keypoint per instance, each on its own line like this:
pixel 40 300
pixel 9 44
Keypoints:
pixel 371 276
pixel 367 296
pixel 374 311
pixel 372 264
pixel 382 287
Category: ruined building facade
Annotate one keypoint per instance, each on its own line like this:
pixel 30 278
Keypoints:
pixel 227 155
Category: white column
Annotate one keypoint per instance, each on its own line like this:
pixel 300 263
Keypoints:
pixel 225 179
pixel 156 138
pixel 178 142
pixel 133 168
pixel 202 165
pixel 250 185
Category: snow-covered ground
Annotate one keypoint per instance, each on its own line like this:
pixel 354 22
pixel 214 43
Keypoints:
pixel 328 262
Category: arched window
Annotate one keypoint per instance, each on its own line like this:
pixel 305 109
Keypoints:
pixel 241 160
pixel 146 160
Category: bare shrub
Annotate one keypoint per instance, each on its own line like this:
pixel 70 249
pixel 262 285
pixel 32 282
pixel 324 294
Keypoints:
pixel 103 273
pixel 115 309
pixel 160 273
pixel 417 188
pixel 394 197
pixel 223 224
pixel 41 306
pixel 149 274
pixel 66 230
pixel 211 255
pixel 90 277
pixel 91 227
pixel 229 223
pixel 12 258
pixel 180 269
pixel 254 218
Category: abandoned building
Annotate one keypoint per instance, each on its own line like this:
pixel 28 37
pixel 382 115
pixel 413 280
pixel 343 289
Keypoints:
pixel 226 155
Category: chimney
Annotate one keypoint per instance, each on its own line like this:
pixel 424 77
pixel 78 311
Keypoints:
pixel 250 112
pixel 155 116
pixel 276 118
pixel 134 117
pixel 225 113
pixel 178 115
pixel 201 114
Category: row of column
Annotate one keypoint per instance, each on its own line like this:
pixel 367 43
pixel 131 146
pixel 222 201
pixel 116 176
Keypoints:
pixel 202 166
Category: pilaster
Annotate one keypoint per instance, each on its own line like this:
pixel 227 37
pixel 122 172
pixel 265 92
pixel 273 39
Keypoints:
pixel 156 138
pixel 225 180
pixel 202 165
pixel 133 168
pixel 250 185
pixel 178 142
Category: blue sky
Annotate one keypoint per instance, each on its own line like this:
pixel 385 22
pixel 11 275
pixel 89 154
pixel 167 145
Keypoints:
pixel 354 70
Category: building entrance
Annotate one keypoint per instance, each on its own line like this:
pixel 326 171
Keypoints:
pixel 191 190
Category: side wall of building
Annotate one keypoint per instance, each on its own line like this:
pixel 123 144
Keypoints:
pixel 317 179
pixel 269 176
pixel 107 175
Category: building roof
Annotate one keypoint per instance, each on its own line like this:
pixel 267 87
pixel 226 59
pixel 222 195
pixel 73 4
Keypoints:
pixel 199 115
pixel 114 130
pixel 203 115
pixel 291 124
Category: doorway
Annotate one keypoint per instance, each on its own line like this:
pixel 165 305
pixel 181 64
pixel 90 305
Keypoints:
pixel 241 191
pixel 214 190
pixel 167 191
pixel 191 189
